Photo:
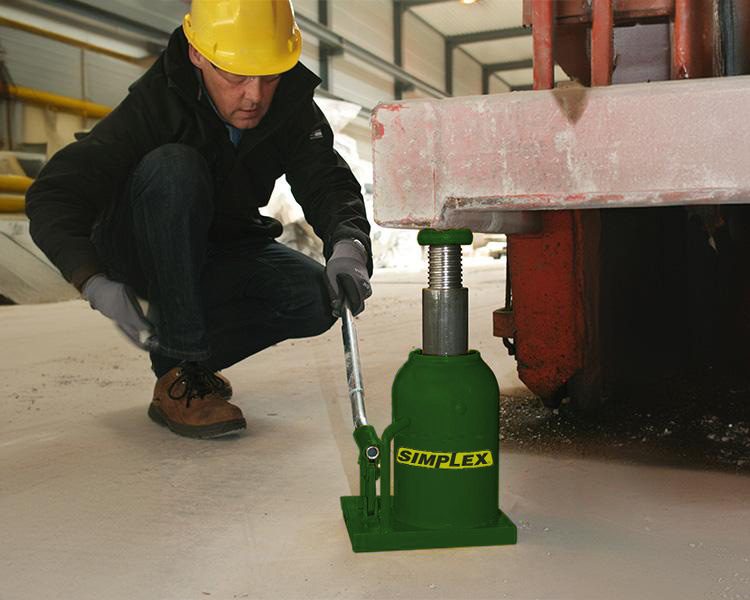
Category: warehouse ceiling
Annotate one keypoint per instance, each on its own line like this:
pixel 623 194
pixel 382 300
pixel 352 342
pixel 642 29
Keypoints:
pixel 490 31
pixel 453 17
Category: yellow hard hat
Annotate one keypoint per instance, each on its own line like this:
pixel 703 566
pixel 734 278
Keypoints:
pixel 245 37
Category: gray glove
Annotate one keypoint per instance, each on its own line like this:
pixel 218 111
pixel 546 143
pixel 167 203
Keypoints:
pixel 118 302
pixel 346 276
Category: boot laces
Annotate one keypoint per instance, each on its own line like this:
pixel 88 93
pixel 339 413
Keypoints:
pixel 197 382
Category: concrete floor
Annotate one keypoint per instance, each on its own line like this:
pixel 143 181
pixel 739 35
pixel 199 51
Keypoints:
pixel 98 502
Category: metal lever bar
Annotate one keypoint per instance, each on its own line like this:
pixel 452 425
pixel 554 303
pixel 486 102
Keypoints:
pixel 364 434
pixel 353 370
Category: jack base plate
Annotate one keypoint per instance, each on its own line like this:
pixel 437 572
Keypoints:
pixel 368 535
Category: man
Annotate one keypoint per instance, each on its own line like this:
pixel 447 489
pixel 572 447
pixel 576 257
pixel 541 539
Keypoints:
pixel 160 200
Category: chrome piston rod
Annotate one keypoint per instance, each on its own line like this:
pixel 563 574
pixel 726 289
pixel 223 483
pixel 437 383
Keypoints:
pixel 445 304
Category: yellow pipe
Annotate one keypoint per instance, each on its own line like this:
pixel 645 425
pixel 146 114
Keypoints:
pixel 67 40
pixel 12 203
pixel 73 105
pixel 14 183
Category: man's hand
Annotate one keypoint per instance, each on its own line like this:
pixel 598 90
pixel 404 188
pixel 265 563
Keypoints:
pixel 118 302
pixel 346 276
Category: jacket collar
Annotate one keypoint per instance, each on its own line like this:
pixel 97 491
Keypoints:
pixel 296 87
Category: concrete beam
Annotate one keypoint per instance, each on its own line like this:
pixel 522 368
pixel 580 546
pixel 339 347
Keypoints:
pixel 638 145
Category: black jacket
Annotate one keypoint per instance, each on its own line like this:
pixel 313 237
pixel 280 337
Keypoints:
pixel 82 182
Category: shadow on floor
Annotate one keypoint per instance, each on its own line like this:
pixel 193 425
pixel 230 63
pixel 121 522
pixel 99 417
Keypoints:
pixel 134 424
pixel 697 420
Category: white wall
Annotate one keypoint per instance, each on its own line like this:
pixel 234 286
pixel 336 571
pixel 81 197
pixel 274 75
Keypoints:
pixel 310 53
pixel 423 50
pixel 107 79
pixel 467 75
pixel 39 63
pixel 368 23
pixel 497 86
pixel 309 8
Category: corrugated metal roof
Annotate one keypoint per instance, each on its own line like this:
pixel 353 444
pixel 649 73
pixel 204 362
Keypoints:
pixel 501 50
pixel 452 18
pixel 164 15
pixel 42 64
pixel 107 79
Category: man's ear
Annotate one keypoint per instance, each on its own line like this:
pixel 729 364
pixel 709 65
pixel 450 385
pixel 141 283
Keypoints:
pixel 196 57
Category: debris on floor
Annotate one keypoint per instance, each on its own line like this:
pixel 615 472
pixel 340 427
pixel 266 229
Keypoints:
pixel 697 420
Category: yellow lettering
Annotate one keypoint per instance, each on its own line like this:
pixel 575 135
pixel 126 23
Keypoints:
pixel 444 460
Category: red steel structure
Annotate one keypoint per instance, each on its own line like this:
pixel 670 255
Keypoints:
pixel 556 311
pixel 611 195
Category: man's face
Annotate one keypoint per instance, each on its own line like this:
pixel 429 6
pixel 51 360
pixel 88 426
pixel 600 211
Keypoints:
pixel 242 101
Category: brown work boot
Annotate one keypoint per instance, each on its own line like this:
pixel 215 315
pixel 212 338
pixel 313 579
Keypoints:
pixel 221 385
pixel 186 401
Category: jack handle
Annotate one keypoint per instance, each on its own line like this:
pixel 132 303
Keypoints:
pixel 371 447
pixel 354 378
pixel 365 435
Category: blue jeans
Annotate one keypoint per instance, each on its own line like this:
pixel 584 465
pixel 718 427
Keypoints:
pixel 211 302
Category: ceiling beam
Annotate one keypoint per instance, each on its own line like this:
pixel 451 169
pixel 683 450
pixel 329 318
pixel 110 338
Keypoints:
pixel 94 17
pixel 409 3
pixel 522 88
pixel 485 36
pixel 325 35
pixel 512 65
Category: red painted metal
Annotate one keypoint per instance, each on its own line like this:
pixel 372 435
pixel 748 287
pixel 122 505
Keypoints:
pixel 696 50
pixel 436 163
pixel 587 384
pixel 602 41
pixel 543 21
pixel 573 20
pixel 682 40
pixel 503 323
pixel 626 11
pixel 545 313
pixel 571 52
pixel 546 302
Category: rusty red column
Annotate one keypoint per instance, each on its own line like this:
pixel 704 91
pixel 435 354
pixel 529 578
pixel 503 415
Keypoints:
pixel 602 42
pixel 682 51
pixel 543 26
pixel 544 323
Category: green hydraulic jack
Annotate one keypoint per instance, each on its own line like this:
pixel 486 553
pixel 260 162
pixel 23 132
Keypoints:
pixel 444 430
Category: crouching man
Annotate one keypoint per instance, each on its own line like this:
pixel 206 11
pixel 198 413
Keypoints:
pixel 161 198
